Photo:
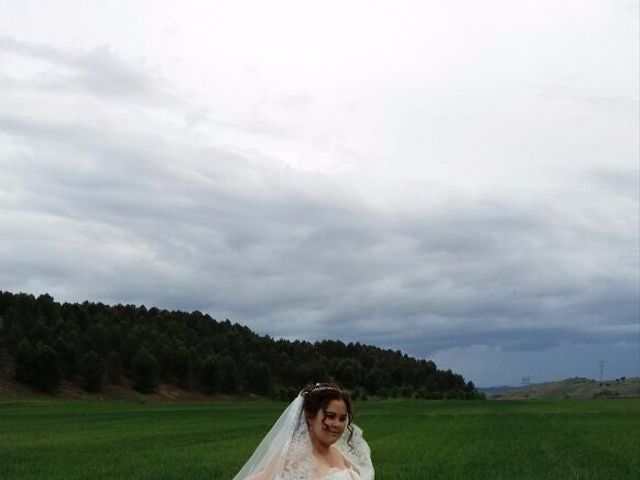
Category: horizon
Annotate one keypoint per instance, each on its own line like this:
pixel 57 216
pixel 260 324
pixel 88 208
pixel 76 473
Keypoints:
pixel 458 181
pixel 531 380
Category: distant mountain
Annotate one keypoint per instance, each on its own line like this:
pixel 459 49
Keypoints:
pixel 505 388
pixel 569 388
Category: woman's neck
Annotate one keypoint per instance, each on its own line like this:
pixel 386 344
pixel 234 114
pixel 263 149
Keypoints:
pixel 321 448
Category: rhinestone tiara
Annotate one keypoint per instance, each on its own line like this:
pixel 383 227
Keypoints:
pixel 319 388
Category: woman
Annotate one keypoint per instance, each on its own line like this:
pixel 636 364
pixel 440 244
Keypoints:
pixel 314 439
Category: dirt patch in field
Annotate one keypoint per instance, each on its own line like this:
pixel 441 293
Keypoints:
pixel 67 390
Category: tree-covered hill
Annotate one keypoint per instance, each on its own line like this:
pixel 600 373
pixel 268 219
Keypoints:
pixel 93 345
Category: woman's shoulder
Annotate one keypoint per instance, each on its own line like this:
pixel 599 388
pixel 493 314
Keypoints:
pixel 357 454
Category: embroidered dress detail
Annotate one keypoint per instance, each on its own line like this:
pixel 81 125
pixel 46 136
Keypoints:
pixel 338 474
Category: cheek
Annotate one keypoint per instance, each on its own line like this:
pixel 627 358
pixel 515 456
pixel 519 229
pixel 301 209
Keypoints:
pixel 318 425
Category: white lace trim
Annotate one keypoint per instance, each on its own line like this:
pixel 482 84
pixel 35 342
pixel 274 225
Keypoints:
pixel 356 452
pixel 300 463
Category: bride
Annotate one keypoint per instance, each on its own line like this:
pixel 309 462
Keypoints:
pixel 314 439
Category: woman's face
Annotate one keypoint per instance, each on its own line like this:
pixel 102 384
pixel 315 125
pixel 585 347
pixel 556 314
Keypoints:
pixel 336 420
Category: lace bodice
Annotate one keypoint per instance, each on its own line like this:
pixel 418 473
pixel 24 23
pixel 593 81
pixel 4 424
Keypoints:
pixel 344 474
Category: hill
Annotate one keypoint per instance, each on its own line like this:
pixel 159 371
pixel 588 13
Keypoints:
pixel 69 349
pixel 578 388
pixel 492 391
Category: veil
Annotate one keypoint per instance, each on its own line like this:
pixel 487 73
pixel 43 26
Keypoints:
pixel 286 453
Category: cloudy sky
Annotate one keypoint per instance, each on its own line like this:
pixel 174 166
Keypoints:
pixel 458 180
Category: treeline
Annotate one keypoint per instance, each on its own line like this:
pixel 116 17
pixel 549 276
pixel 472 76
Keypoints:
pixel 92 345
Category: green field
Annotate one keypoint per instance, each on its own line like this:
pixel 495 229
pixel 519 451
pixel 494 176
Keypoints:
pixel 64 439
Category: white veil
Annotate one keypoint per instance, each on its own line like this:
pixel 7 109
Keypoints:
pixel 286 452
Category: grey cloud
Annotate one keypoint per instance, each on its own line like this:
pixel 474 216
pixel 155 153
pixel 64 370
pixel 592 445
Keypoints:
pixel 97 71
pixel 617 182
pixel 101 72
pixel 90 212
pixel 606 102
pixel 300 100
pixel 276 256
pixel 257 123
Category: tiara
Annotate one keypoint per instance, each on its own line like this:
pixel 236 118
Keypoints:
pixel 319 388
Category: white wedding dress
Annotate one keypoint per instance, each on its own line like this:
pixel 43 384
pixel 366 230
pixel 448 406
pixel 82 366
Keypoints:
pixel 341 474
pixel 286 453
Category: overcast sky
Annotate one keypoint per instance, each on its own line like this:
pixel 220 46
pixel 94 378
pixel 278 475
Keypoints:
pixel 455 179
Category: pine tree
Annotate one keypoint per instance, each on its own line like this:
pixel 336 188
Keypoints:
pixel 228 375
pixel 259 378
pixel 114 367
pixel 38 366
pixel 208 380
pixel 92 372
pixel 145 371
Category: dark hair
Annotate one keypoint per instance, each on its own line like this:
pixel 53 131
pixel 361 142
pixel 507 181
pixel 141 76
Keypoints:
pixel 317 396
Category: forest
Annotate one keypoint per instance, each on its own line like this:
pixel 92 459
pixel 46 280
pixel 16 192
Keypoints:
pixel 92 345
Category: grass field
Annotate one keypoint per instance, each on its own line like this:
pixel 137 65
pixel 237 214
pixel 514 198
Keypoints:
pixel 410 440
